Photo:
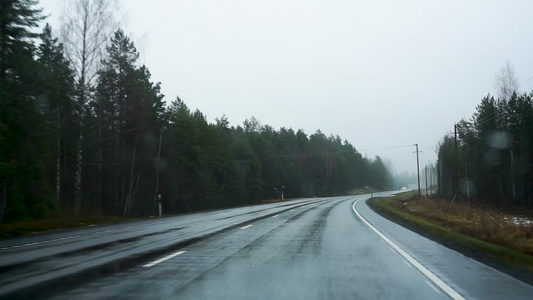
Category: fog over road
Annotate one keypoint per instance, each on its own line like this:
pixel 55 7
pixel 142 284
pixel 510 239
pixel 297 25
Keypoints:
pixel 319 248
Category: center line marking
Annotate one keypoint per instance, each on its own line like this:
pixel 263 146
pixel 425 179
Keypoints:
pixel 163 259
pixel 246 227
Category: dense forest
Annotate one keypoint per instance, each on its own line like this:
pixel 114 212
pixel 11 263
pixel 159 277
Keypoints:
pixel 489 159
pixel 84 131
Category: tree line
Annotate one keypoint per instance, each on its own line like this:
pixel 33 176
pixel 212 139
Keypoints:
pixel 85 131
pixel 492 162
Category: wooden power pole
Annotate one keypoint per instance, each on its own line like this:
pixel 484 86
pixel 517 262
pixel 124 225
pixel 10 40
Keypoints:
pixel 456 177
pixel 418 169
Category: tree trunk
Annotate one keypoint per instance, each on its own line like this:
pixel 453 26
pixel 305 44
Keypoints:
pixel 58 160
pixel 512 175
pixel 98 207
pixel 3 201
pixel 129 200
pixel 156 190
pixel 77 180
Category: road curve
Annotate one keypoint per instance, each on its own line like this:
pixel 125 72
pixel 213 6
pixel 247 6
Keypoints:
pixel 320 248
pixel 468 277
pixel 318 251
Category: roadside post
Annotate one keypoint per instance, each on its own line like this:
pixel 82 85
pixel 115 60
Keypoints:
pixel 160 206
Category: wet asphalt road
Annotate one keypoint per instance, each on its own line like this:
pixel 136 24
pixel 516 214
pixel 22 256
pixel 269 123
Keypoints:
pixel 310 249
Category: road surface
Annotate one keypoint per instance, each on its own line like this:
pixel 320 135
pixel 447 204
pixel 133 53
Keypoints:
pixel 319 248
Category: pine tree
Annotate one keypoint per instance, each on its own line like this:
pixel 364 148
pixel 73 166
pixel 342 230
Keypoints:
pixel 21 164
pixel 17 18
pixel 129 112
pixel 56 92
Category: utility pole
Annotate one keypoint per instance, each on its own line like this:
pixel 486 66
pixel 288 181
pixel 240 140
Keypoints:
pixel 426 175
pixel 455 183
pixel 418 169
pixel 456 179
pixel 431 180
pixel 440 183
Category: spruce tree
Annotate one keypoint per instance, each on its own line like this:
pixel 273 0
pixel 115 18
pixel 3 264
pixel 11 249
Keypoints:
pixel 21 165
pixel 57 95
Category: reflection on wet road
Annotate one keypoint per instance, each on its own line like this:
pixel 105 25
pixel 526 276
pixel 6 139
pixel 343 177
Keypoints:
pixel 319 249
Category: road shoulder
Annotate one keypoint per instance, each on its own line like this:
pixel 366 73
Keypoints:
pixel 442 237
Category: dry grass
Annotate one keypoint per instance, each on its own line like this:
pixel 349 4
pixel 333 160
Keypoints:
pixel 488 225
pixel 486 231
pixel 11 230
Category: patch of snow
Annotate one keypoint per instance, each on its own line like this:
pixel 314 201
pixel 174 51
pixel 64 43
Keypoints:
pixel 520 221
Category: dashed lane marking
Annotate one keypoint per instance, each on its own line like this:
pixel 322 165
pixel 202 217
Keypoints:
pixel 155 262
pixel 248 226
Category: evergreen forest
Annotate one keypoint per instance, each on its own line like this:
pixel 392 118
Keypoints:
pixel 488 160
pixel 85 131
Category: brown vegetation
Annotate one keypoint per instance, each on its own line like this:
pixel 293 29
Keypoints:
pixel 16 229
pixel 486 224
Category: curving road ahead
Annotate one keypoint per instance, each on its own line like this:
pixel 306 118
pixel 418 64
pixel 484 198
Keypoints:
pixel 329 248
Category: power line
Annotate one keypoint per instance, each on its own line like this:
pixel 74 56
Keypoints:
pixel 337 152
pixel 391 147
pixel 528 89
pixel 525 81
pixel 489 117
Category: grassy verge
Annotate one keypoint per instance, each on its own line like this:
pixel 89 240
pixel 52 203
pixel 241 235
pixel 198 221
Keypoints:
pixel 363 190
pixel 484 234
pixel 17 229
pixel 10 230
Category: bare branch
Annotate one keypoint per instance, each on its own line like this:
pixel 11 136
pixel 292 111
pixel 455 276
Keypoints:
pixel 87 26
pixel 506 82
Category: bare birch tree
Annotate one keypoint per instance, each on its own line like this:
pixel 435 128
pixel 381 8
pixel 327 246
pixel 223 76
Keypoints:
pixel 87 26
pixel 506 82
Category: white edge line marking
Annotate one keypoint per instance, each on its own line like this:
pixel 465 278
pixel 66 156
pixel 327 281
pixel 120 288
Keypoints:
pixel 163 259
pixel 246 227
pixel 443 286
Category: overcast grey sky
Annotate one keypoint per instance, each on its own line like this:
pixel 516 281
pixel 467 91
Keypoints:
pixel 380 74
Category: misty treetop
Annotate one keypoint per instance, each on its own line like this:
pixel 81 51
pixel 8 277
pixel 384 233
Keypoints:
pixel 495 152
pixel 90 134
